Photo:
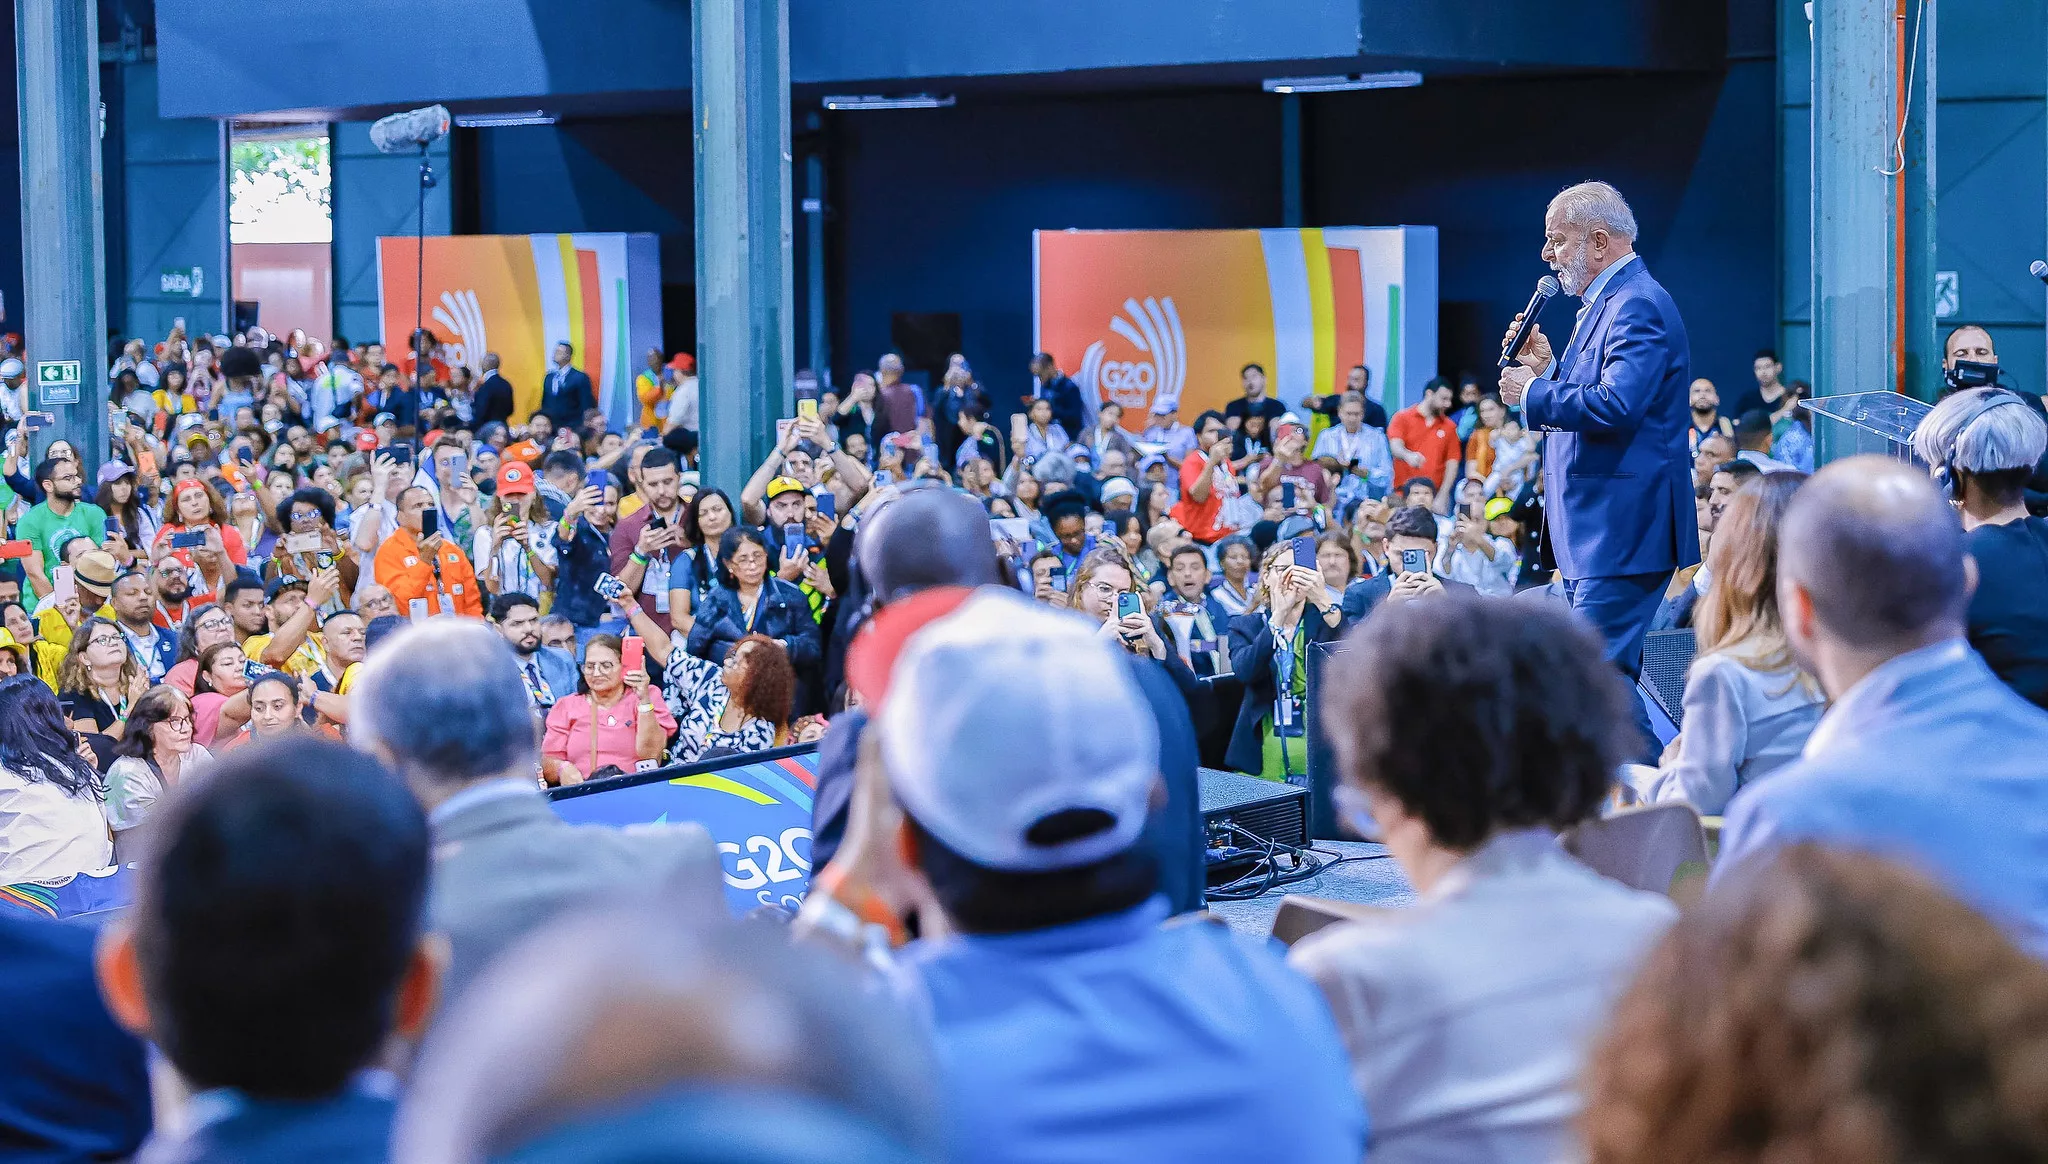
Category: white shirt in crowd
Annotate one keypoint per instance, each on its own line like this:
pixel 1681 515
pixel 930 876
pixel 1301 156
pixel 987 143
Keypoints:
pixel 47 833
pixel 1741 724
pixel 133 788
pixel 514 570
pixel 1468 1016
pixel 1489 573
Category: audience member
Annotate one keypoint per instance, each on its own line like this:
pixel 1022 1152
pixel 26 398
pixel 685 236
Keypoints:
pixel 151 758
pixel 614 722
pixel 52 823
pixel 1468 734
pixel 1923 754
pixel 750 600
pixel 1269 646
pixel 275 944
pixel 73 1085
pixel 549 674
pixel 1023 759
pixel 1828 1007
pixel 1410 550
pixel 1753 442
pixel 1983 444
pixel 1425 440
pixel 444 706
pixel 1749 706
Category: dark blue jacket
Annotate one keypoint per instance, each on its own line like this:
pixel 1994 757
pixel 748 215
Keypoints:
pixel 1251 662
pixel 578 562
pixel 565 396
pixel 73 1086
pixel 1066 404
pixel 1617 475
pixel 350 1128
pixel 782 613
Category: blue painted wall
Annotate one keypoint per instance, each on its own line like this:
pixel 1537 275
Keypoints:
pixel 376 194
pixel 163 194
pixel 1991 177
pixel 10 183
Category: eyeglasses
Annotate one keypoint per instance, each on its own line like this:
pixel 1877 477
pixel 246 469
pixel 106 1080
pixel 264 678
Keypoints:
pixel 599 666
pixel 179 722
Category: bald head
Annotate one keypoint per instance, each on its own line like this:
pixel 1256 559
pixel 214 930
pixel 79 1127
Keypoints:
pixel 1878 554
pixel 927 538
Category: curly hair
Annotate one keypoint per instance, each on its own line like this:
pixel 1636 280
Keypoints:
pixel 1478 714
pixel 1831 1008
pixel 74 678
pixel 769 691
pixel 216 505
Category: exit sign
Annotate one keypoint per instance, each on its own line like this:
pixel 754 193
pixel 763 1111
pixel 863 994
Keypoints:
pixel 57 381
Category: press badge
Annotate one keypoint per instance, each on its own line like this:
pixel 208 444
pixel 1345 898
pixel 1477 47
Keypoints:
pixel 655 582
pixel 1287 716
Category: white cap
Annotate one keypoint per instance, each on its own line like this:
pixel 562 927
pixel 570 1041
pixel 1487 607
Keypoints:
pixel 1006 713
pixel 1118 487
pixel 11 367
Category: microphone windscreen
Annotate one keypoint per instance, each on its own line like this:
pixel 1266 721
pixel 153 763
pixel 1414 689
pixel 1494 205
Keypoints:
pixel 2038 270
pixel 1548 286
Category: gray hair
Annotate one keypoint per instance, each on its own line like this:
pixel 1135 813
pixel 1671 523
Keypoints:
pixel 1879 552
pixel 443 701
pixel 1596 204
pixel 1054 468
pixel 1981 430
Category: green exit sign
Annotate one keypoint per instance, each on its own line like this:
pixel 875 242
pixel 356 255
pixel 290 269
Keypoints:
pixel 57 381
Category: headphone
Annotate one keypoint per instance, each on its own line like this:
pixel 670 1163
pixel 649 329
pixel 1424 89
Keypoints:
pixel 1944 475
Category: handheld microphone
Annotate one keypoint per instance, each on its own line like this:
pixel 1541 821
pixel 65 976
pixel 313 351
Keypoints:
pixel 1545 288
pixel 2039 270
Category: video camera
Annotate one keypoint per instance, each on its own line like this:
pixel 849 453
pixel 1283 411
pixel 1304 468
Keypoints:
pixel 1968 374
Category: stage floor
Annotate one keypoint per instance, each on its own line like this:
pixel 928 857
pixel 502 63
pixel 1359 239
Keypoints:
pixel 1369 876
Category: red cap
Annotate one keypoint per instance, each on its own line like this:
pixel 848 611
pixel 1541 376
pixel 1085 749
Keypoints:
pixel 873 654
pixel 514 478
pixel 366 440
pixel 523 451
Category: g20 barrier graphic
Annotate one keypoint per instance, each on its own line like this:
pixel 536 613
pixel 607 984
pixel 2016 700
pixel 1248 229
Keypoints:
pixel 520 294
pixel 1137 316
pixel 757 808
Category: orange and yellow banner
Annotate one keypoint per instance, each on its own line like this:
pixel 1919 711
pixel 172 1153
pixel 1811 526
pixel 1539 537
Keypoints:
pixel 1137 315
pixel 519 295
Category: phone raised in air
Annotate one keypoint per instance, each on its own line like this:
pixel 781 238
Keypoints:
pixel 597 479
pixel 1415 561
pixel 828 504
pixel 191 539
pixel 1128 604
pixel 632 654
pixel 794 538
pixel 16 550
pixel 1287 495
pixel 1304 548
pixel 430 523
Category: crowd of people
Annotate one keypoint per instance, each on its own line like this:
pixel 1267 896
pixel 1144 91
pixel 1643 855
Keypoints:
pixel 329 626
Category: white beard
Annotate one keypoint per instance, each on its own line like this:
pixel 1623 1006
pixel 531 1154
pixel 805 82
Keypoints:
pixel 1573 273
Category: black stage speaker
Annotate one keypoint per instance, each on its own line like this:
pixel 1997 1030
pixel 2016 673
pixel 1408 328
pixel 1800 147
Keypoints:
pixel 1322 762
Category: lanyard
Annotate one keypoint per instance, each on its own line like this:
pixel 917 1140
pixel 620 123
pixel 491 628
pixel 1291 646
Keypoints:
pixel 1285 705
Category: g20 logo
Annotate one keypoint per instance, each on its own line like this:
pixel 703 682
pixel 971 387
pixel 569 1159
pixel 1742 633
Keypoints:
pixel 1152 332
pixel 1118 379
pixel 780 864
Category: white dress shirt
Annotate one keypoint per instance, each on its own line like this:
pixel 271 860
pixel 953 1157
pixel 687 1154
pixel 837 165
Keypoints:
pixel 1468 1016
pixel 47 833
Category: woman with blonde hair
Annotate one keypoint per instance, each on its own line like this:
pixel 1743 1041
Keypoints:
pixel 1749 706
pixel 1291 608
pixel 1097 588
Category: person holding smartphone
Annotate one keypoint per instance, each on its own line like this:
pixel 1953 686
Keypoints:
pixel 1410 549
pixel 1291 610
pixel 1104 588
pixel 418 564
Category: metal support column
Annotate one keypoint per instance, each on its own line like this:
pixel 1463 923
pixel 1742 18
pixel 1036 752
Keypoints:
pixel 1920 338
pixel 1873 195
pixel 818 348
pixel 56 44
pixel 740 113
pixel 1290 160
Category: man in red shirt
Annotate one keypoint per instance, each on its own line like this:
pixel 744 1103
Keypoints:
pixel 1425 440
pixel 1205 481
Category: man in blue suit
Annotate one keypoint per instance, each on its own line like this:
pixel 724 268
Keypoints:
pixel 274 945
pixel 565 394
pixel 1924 755
pixel 1617 478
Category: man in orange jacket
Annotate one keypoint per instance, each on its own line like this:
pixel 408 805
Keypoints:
pixel 414 563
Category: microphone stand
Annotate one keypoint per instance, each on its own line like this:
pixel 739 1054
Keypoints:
pixel 419 258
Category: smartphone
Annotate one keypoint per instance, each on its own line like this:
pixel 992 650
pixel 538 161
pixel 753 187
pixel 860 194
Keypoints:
pixel 1128 604
pixel 793 537
pixel 401 452
pixel 253 670
pixel 306 543
pixel 113 527
pixel 828 504
pixel 37 421
pixel 1287 495
pixel 191 539
pixel 609 587
pixel 598 479
pixel 430 523
pixel 807 403
pixel 64 583
pixel 1415 561
pixel 1019 426
pixel 119 422
pixel 632 654
pixel 16 550
pixel 1059 580
pixel 1304 551
pixel 243 456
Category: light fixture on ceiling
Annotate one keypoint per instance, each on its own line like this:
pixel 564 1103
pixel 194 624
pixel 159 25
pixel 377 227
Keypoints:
pixel 504 120
pixel 882 101
pixel 1340 83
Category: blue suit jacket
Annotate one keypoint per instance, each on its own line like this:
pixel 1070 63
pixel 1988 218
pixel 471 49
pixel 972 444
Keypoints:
pixel 1617 477
pixel 72 1084
pixel 1940 765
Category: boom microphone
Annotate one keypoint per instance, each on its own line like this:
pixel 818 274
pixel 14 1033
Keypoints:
pixel 1545 288
pixel 2039 270
pixel 411 131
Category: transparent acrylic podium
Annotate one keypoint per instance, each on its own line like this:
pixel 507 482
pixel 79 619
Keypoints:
pixel 1865 422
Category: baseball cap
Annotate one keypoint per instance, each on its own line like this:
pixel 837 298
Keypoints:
pixel 1498 507
pixel 95 570
pixel 514 477
pixel 782 485
pixel 366 441
pixel 115 470
pixel 11 367
pixel 523 451
pixel 1164 405
pixel 282 583
pixel 384 418
pixel 1015 736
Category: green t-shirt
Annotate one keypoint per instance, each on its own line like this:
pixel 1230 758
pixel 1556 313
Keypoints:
pixel 41 522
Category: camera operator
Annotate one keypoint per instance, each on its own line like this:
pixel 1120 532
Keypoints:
pixel 1983 444
pixel 1969 360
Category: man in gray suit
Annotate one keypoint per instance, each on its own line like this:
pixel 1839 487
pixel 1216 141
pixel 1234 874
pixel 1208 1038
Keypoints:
pixel 1924 756
pixel 444 706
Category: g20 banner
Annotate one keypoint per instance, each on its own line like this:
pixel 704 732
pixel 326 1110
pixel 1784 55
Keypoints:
pixel 1139 315
pixel 519 295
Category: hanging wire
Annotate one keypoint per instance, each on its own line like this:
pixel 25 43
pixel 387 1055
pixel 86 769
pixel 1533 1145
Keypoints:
pixel 1898 153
